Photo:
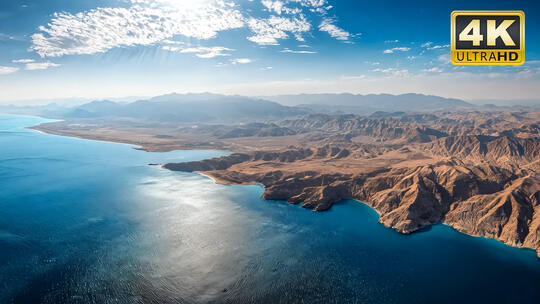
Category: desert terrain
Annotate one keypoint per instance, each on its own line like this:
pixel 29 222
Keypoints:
pixel 476 171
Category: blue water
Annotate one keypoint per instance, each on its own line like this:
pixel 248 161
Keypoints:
pixel 90 222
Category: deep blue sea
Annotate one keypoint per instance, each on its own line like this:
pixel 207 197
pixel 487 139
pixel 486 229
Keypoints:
pixel 86 221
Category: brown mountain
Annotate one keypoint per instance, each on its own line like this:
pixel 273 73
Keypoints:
pixel 414 170
pixel 476 171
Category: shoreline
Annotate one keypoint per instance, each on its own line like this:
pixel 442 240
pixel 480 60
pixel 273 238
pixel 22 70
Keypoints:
pixel 371 206
pixel 123 142
pixel 44 131
pixel 222 182
pixel 225 182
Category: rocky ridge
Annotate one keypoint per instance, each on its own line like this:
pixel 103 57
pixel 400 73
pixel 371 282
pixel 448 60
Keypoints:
pixel 482 178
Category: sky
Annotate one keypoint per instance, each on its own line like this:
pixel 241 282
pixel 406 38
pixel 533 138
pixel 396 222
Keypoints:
pixel 65 49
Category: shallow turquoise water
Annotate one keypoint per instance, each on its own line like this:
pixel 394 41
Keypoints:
pixel 90 222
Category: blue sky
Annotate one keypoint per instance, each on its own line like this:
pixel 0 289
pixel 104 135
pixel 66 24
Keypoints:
pixel 116 48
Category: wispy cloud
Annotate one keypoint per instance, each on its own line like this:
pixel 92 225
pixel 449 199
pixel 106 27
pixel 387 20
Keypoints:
pixel 430 46
pixel 435 47
pixel 4 70
pixel 172 42
pixel 445 58
pixel 280 7
pixel 6 37
pixel 433 70
pixel 40 65
pixel 22 60
pixel 286 50
pixel 241 60
pixel 201 52
pixel 394 73
pixel 353 77
pixel 396 49
pixel 327 25
pixel 268 31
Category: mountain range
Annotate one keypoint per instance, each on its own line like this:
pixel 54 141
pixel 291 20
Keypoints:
pixel 366 104
pixel 207 107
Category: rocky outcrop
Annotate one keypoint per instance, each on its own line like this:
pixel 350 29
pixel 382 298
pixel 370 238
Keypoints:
pixel 502 150
pixel 511 215
pixel 383 127
pixel 221 163
pixel 483 199
pixel 476 171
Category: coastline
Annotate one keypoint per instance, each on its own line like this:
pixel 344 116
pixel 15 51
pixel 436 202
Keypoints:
pixel 227 182
pixel 45 131
pixel 136 145
pixel 224 182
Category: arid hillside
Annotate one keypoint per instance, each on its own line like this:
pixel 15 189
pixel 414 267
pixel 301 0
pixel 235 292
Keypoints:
pixel 476 171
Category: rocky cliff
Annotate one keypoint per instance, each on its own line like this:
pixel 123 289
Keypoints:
pixel 485 184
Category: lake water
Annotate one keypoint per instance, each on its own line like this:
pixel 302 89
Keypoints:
pixel 90 222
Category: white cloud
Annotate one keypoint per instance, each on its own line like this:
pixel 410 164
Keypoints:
pixel 429 46
pixel 147 22
pixel 22 60
pixel 433 70
pixel 172 48
pixel 268 31
pixel 435 47
pixel 268 68
pixel 354 77
pixel 201 52
pixel 240 60
pixel 40 65
pixel 276 6
pixel 172 42
pixel 101 29
pixel 327 25
pixel 286 50
pixel 279 7
pixel 396 49
pixel 4 70
pixel 394 73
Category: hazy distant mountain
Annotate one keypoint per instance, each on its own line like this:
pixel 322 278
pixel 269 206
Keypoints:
pixel 51 110
pixel 188 108
pixel 352 103
pixel 207 107
pixel 534 103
